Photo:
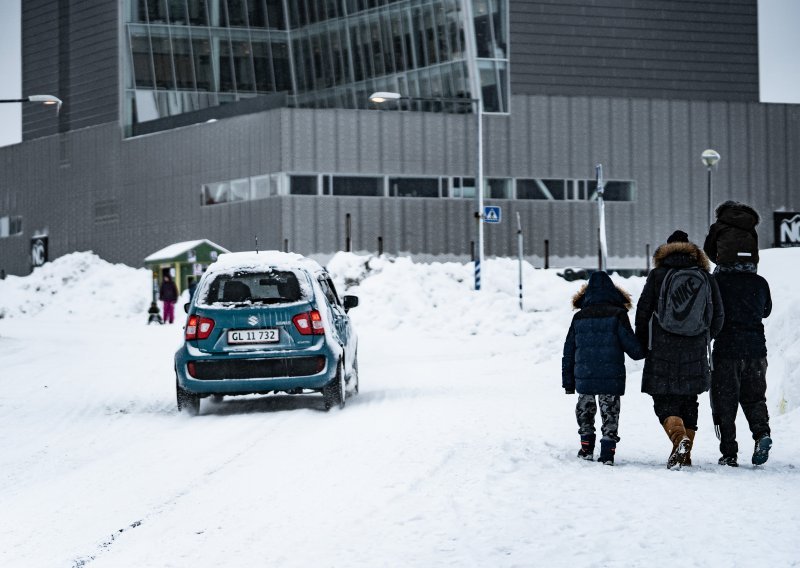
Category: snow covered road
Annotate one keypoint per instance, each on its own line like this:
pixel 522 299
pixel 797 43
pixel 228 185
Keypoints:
pixel 459 451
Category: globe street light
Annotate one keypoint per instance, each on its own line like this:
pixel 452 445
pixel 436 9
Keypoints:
pixel 44 99
pixel 385 96
pixel 710 159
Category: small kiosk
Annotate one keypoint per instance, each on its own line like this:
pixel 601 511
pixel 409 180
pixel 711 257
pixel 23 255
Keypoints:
pixel 182 261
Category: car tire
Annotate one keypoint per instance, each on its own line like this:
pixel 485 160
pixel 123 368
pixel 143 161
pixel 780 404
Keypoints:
pixel 187 402
pixel 335 393
pixel 355 374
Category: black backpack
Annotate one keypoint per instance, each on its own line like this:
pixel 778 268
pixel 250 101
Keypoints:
pixel 685 305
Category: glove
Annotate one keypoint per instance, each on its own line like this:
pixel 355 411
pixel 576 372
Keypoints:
pixel 569 391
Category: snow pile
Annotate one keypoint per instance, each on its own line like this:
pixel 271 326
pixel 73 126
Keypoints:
pixel 781 268
pixel 439 298
pixel 78 285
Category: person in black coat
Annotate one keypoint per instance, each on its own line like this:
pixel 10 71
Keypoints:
pixel 676 368
pixel 168 294
pixel 740 365
pixel 594 361
pixel 732 241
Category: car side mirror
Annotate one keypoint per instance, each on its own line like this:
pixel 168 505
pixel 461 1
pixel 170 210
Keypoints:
pixel 350 302
pixel 186 307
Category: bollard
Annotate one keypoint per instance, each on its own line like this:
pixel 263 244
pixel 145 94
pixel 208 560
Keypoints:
pixel 348 233
pixel 380 246
pixel 547 253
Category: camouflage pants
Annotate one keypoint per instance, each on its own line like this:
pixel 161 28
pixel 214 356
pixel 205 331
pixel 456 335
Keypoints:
pixel 586 410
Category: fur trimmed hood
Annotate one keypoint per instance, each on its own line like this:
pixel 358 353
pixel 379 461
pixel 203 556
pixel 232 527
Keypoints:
pixel 689 250
pixel 600 289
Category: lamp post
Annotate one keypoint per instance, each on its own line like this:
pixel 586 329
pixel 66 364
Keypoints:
pixel 710 159
pixel 44 99
pixel 384 96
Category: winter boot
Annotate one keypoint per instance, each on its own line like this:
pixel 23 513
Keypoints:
pixel 681 444
pixel 728 460
pixel 690 434
pixel 761 452
pixel 587 447
pixel 608 448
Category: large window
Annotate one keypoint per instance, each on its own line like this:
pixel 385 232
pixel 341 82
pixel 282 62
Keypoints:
pixel 10 226
pixel 413 187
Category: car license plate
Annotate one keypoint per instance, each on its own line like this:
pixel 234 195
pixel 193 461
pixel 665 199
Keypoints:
pixel 240 336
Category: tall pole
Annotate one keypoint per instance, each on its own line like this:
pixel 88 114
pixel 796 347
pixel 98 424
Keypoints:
pixel 710 158
pixel 519 247
pixel 601 213
pixel 710 201
pixel 479 191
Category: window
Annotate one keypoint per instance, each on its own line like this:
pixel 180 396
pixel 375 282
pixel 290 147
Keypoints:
pixel 10 226
pixel 303 185
pixel 413 187
pixel 214 193
pixel 264 186
pixel 271 287
pixel 498 188
pixel 357 186
pixel 572 189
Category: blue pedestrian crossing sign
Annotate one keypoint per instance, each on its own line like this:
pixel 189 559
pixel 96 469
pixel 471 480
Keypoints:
pixel 491 214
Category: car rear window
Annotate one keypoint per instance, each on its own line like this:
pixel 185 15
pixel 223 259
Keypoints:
pixel 270 287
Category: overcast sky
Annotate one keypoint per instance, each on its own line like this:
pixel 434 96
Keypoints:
pixel 779 59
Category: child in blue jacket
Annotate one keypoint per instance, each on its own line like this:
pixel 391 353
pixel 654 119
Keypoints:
pixel 594 361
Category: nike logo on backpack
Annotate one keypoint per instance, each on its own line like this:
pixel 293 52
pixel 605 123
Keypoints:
pixel 688 289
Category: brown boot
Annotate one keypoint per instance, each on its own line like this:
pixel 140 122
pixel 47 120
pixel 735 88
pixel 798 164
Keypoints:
pixel 681 444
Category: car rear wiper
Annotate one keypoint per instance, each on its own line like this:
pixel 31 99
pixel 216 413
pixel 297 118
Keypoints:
pixel 272 300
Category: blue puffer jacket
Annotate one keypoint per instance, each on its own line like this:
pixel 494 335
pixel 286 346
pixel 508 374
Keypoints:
pixel 598 338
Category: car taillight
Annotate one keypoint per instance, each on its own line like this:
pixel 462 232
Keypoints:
pixel 309 323
pixel 192 369
pixel 199 327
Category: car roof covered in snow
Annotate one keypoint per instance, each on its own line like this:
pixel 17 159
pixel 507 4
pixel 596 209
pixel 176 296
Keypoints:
pixel 263 260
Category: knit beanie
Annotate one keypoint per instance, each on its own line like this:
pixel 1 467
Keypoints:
pixel 678 237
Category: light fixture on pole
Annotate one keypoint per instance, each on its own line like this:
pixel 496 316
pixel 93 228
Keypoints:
pixel 384 96
pixel 710 159
pixel 44 99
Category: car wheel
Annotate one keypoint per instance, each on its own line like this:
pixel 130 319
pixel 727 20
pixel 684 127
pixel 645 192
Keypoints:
pixel 355 374
pixel 334 392
pixel 187 402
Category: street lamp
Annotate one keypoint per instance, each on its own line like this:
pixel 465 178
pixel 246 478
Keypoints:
pixel 710 159
pixel 44 99
pixel 384 96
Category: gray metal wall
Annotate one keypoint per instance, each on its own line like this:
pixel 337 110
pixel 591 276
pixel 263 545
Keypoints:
pixel 127 198
pixel 70 49
pixel 677 49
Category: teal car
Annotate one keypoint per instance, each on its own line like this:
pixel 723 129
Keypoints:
pixel 266 322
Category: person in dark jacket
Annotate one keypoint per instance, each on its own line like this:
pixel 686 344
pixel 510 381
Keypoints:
pixel 740 365
pixel 168 294
pixel 732 241
pixel 594 361
pixel 676 368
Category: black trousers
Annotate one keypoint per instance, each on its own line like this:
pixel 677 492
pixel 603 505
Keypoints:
pixel 737 382
pixel 681 405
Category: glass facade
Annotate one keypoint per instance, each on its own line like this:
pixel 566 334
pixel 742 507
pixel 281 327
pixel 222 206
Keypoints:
pixel 186 55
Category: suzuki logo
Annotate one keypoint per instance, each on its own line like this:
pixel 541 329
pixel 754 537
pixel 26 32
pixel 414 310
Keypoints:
pixel 790 230
pixel 252 320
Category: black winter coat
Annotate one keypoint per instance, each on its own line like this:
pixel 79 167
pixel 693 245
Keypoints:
pixel 733 238
pixel 747 301
pixel 168 291
pixel 676 364
pixel 599 336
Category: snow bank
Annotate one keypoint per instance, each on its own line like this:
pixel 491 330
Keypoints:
pixel 396 293
pixel 440 297
pixel 78 285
